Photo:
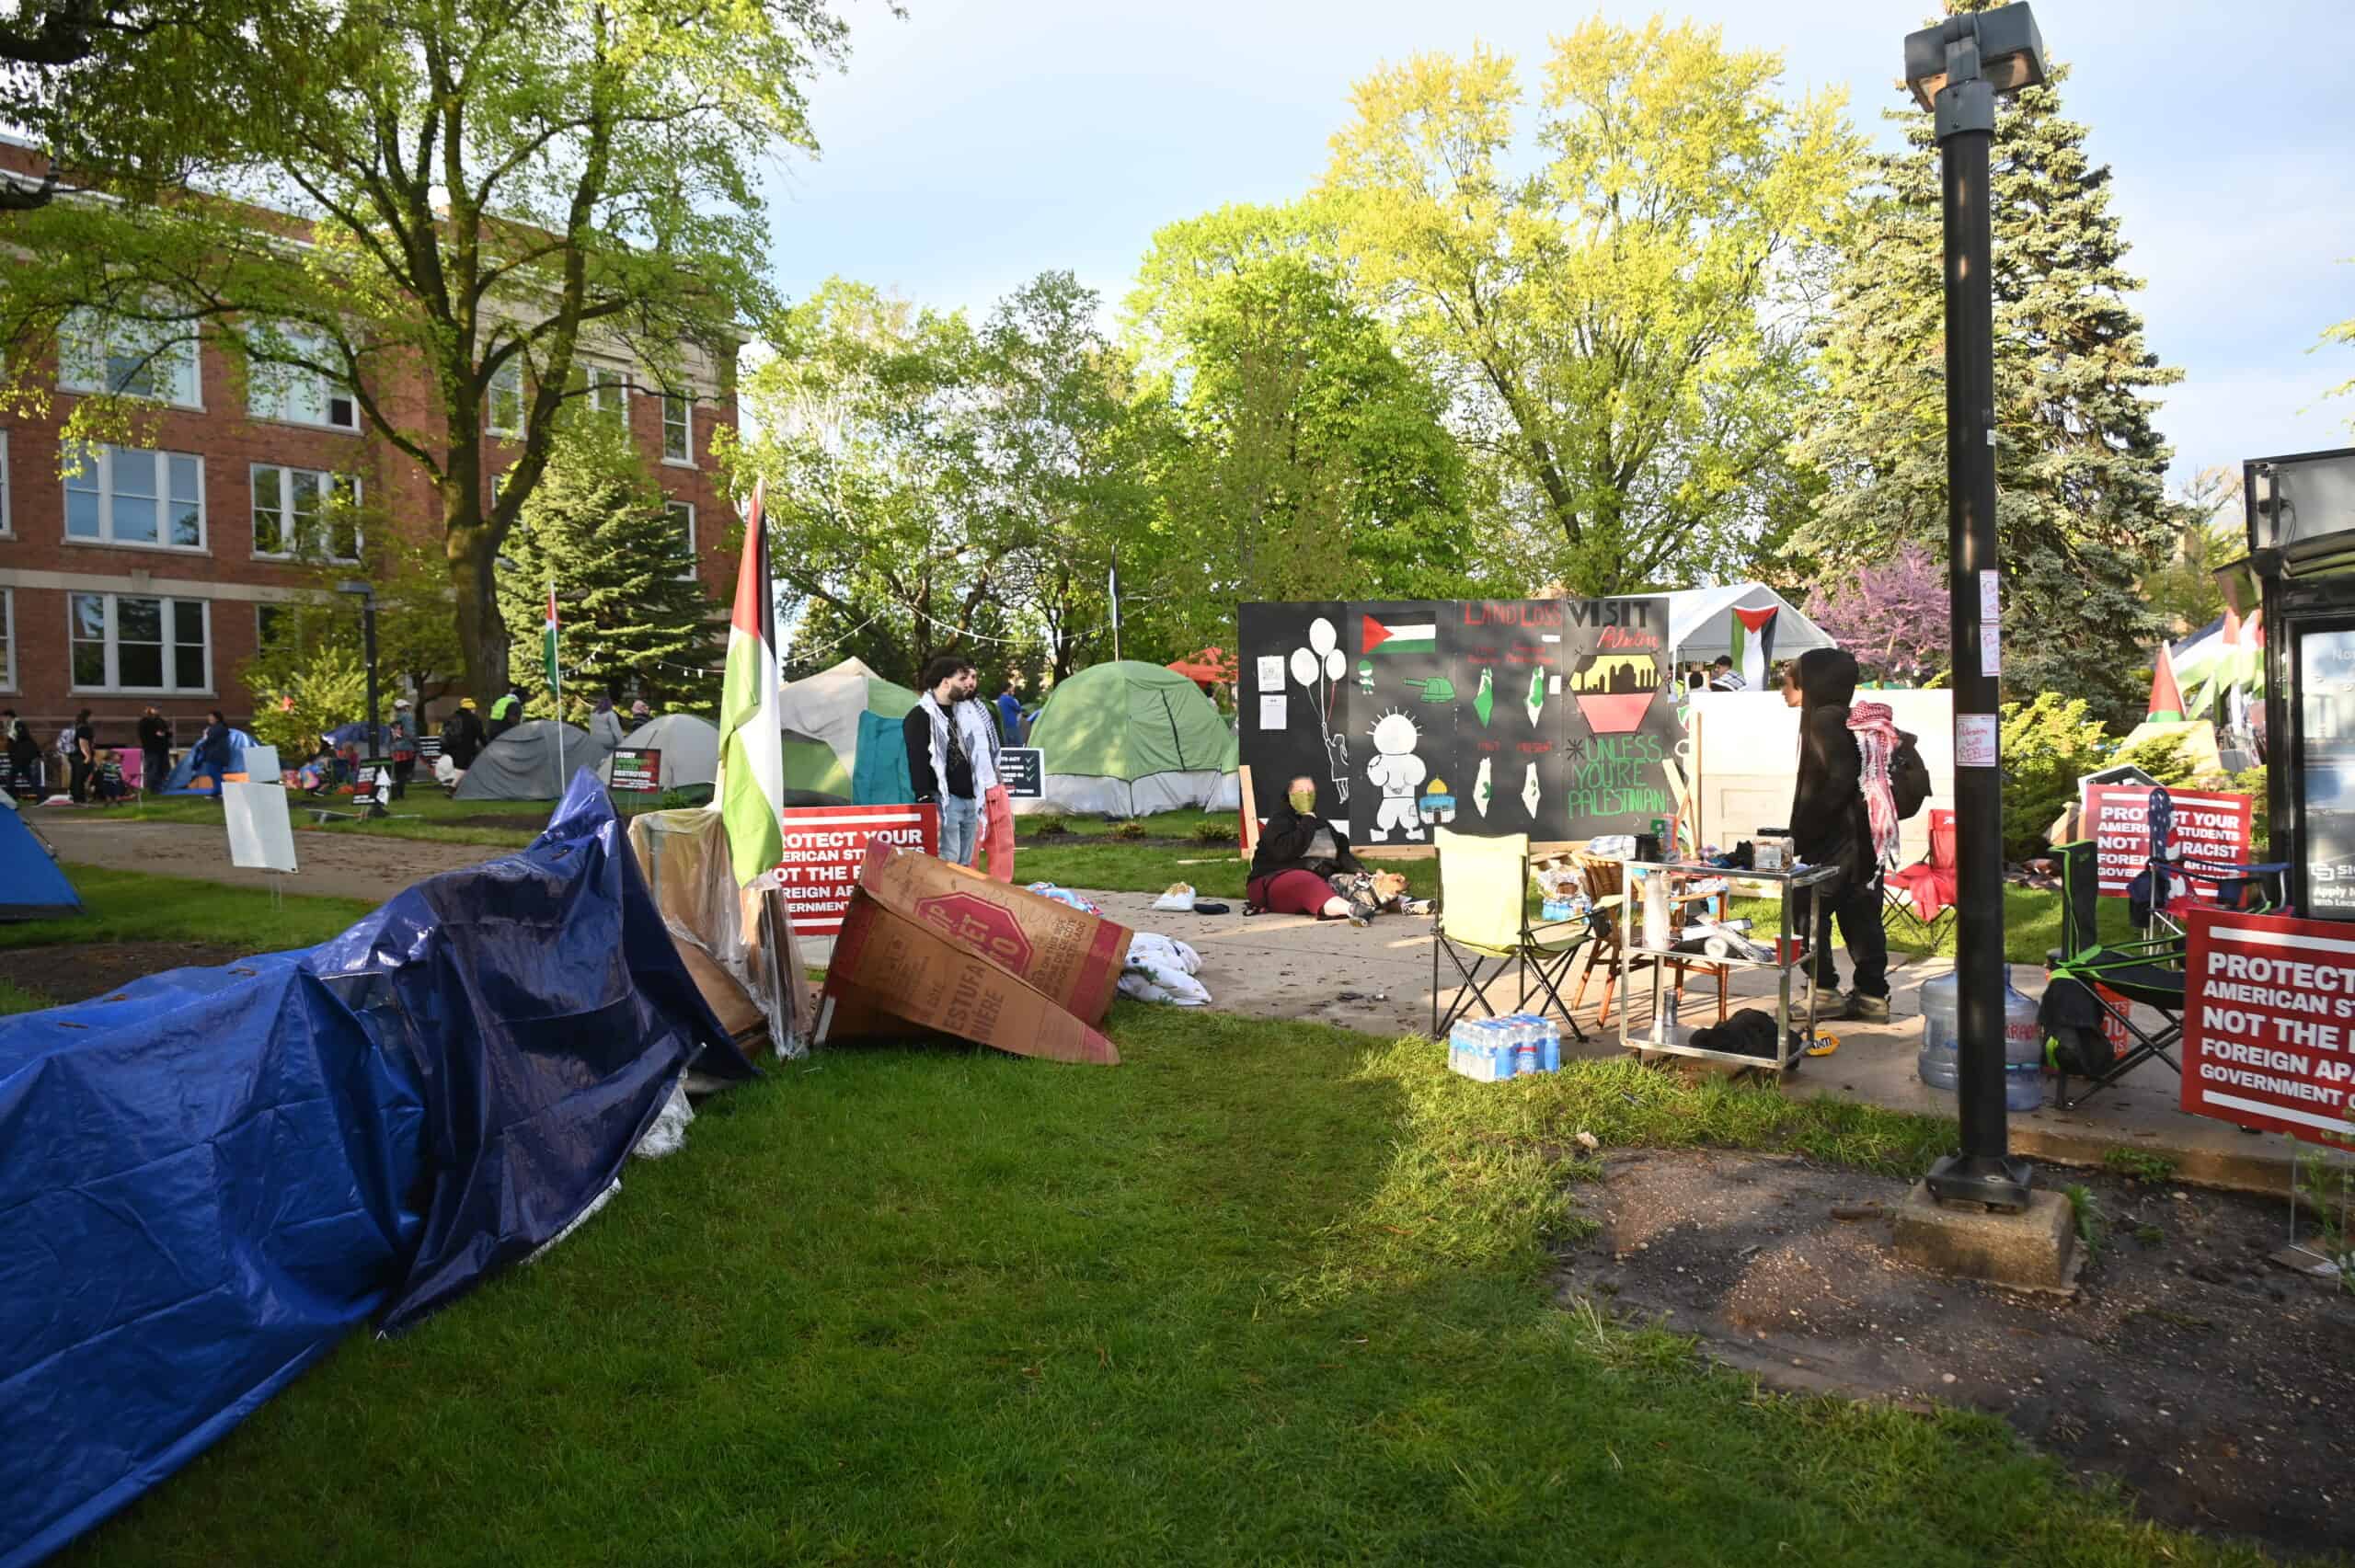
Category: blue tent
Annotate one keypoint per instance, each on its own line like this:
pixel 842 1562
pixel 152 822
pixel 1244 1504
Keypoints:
pixel 209 1177
pixel 31 884
pixel 881 775
pixel 185 769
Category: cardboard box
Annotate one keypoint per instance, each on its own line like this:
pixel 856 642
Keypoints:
pixel 888 968
pixel 1071 957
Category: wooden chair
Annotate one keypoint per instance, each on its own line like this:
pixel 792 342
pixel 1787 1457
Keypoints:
pixel 1606 882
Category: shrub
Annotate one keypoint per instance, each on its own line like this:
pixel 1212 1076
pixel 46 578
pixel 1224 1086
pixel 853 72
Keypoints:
pixel 1131 828
pixel 1213 832
pixel 2260 826
pixel 2048 744
pixel 2162 757
pixel 1048 827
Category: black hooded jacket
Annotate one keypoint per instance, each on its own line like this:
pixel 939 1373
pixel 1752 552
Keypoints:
pixel 1284 842
pixel 1828 825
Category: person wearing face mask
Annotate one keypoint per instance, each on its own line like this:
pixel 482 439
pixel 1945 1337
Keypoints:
pixel 1299 853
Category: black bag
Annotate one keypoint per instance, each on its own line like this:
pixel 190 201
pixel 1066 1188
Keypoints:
pixel 1909 776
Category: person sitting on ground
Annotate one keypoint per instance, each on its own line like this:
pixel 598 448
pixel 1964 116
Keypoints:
pixel 107 785
pixel 462 735
pixel 1299 854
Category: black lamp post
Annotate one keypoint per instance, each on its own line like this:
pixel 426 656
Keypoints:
pixel 366 593
pixel 1955 70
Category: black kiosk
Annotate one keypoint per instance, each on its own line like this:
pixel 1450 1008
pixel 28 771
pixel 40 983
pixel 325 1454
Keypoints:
pixel 2301 551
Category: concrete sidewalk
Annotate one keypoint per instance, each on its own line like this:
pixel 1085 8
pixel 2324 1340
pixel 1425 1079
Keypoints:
pixel 1379 980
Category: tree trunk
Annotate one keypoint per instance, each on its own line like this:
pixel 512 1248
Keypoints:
pixel 482 632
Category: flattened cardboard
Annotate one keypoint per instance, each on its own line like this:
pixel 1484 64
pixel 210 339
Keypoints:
pixel 1071 957
pixel 888 968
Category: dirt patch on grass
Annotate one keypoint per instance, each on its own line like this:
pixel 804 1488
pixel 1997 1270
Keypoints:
pixel 77 971
pixel 2210 1380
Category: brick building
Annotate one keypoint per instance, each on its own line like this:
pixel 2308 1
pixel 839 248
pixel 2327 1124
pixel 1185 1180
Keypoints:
pixel 145 577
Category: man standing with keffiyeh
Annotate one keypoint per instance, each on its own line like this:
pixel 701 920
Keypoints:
pixel 1842 814
pixel 952 742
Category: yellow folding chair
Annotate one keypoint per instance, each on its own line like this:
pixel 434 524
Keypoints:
pixel 1482 915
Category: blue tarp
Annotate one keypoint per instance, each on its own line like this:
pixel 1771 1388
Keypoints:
pixel 880 776
pixel 185 769
pixel 31 884
pixel 210 1176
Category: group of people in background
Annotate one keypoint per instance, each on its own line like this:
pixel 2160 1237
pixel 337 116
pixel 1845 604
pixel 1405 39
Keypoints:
pixel 955 744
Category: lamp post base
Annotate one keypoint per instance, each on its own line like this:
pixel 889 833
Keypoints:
pixel 1990 1181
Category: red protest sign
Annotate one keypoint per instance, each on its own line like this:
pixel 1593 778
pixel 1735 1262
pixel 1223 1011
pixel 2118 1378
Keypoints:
pixel 2202 825
pixel 824 846
pixel 2269 1026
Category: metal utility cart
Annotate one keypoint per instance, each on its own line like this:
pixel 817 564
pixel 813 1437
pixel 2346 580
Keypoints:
pixel 1799 890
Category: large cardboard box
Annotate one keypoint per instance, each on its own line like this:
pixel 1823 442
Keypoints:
pixel 1069 956
pixel 888 968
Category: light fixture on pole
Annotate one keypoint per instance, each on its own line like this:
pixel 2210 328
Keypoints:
pixel 1955 70
pixel 366 593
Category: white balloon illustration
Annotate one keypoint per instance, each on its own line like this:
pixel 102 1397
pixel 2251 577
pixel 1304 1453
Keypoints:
pixel 1321 636
pixel 1335 665
pixel 1303 666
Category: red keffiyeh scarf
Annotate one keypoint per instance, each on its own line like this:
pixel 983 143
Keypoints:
pixel 1875 729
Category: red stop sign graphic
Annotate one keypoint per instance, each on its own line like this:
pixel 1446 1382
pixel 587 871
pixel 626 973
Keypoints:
pixel 976 922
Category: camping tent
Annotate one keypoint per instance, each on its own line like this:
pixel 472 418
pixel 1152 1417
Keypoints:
pixel 811 765
pixel 1702 623
pixel 523 764
pixel 32 886
pixel 185 769
pixel 826 706
pixel 1130 738
pixel 690 748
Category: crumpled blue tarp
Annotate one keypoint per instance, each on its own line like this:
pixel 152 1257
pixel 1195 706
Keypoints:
pixel 210 1176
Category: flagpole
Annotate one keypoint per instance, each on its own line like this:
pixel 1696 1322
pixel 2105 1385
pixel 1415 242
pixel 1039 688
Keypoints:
pixel 555 688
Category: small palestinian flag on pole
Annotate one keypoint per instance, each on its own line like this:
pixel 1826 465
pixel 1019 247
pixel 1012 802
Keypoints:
pixel 548 646
pixel 751 796
pixel 2166 697
pixel 1753 645
pixel 1398 636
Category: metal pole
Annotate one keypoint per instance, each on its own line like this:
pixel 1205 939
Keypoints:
pixel 1984 1170
pixel 375 733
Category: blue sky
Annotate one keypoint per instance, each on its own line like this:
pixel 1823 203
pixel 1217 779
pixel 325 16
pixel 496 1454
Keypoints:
pixel 974 144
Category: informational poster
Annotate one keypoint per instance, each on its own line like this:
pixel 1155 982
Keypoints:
pixel 638 769
pixel 823 847
pixel 1024 771
pixel 260 837
pixel 1976 741
pixel 2125 821
pixel 2269 1027
pixel 1487 717
pixel 2326 773
pixel 1275 712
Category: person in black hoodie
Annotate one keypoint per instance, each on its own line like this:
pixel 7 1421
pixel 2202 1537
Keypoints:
pixel 1298 853
pixel 1830 826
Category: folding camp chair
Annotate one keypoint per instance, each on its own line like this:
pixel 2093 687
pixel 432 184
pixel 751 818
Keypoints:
pixel 1606 882
pixel 1921 894
pixel 2093 986
pixel 1483 914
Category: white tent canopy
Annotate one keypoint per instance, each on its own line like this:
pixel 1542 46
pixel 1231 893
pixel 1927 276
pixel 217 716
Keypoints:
pixel 826 705
pixel 690 748
pixel 1700 621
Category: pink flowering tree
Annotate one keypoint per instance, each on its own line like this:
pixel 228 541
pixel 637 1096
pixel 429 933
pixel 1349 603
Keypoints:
pixel 1892 617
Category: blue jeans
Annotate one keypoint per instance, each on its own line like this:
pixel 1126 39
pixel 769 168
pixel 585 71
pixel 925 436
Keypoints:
pixel 960 821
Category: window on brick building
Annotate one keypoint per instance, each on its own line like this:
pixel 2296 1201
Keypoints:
pixel 608 391
pixel 503 409
pixel 136 359
pixel 8 508
pixel 301 511
pixel 119 495
pixel 7 639
pixel 124 642
pixel 292 393
pixel 683 518
pixel 678 428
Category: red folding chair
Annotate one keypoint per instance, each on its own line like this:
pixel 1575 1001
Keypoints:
pixel 1921 894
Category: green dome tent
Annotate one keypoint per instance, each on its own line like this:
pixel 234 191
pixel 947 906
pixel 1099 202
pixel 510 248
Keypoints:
pixel 820 716
pixel 1130 738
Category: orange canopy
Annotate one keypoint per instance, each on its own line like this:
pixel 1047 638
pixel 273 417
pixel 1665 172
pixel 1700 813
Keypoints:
pixel 1211 664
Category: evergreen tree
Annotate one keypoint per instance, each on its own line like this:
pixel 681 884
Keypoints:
pixel 634 620
pixel 2082 513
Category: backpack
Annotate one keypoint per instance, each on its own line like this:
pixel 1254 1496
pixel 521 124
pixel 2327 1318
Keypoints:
pixel 1909 776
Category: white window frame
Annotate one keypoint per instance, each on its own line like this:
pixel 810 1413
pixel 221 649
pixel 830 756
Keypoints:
pixel 286 514
pixel 8 508
pixel 687 406
pixel 672 507
pixel 104 459
pixel 508 380
pixel 169 619
pixel 7 639
pixel 599 380
pixel 273 390
pixel 87 340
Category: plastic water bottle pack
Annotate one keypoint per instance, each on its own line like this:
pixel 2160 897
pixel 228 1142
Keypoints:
pixel 1488 1049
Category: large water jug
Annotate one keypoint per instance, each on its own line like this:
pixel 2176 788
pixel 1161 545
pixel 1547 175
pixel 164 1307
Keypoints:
pixel 2023 1051
pixel 1941 1002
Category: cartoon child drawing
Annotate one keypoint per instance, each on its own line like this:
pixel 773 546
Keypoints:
pixel 1396 772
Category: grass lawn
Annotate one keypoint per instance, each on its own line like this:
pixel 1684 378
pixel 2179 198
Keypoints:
pixel 1266 1291
pixel 132 906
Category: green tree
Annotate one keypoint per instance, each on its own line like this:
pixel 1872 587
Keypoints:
pixel 1621 327
pixel 491 194
pixel 632 618
pixel 2184 591
pixel 2081 515
pixel 301 689
pixel 1306 459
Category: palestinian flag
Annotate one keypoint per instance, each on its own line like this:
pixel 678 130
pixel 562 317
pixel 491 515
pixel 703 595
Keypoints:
pixel 548 647
pixel 751 796
pixel 2166 697
pixel 1403 637
pixel 1753 645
